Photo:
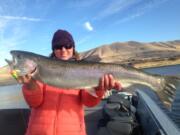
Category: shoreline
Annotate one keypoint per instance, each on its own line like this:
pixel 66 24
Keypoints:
pixel 158 63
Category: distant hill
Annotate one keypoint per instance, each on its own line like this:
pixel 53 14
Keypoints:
pixel 135 53
pixel 131 53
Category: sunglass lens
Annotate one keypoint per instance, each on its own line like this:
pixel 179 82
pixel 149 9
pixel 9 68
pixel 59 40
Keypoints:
pixel 66 46
pixel 57 47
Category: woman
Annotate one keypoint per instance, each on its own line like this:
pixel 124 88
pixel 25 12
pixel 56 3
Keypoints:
pixel 57 111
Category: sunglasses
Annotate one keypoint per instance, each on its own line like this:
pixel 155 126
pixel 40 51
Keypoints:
pixel 66 46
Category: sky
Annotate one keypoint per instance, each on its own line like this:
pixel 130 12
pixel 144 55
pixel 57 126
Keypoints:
pixel 30 24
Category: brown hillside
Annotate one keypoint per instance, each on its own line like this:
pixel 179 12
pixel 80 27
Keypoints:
pixel 136 53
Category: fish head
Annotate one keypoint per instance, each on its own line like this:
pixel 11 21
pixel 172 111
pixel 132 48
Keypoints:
pixel 22 63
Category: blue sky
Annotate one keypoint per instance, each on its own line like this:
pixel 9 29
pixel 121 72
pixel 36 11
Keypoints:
pixel 29 24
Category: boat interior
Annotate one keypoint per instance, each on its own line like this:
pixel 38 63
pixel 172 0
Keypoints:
pixel 121 113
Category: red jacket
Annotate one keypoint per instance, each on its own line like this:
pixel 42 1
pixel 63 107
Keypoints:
pixel 56 111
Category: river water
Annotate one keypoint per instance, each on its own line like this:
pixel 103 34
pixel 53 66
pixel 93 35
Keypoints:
pixel 165 70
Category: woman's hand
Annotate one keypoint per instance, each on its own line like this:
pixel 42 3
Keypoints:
pixel 21 79
pixel 107 82
pixel 27 80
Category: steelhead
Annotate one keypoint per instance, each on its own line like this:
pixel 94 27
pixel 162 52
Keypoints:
pixel 81 74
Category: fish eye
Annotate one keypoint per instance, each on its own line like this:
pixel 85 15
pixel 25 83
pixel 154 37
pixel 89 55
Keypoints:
pixel 19 56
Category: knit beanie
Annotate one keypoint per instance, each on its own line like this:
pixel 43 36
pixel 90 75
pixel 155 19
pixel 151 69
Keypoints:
pixel 62 37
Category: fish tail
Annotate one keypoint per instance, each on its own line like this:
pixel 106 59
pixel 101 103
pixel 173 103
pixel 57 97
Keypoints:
pixel 171 85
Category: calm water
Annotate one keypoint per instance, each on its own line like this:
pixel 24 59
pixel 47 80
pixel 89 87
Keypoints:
pixel 166 70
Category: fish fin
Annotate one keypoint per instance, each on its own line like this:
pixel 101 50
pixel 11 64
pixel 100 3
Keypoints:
pixel 168 93
pixel 92 92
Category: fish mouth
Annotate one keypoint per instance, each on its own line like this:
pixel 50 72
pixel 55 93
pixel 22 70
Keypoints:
pixel 12 62
pixel 21 65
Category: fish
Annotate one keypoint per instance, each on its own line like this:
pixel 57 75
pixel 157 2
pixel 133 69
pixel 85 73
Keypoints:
pixel 86 75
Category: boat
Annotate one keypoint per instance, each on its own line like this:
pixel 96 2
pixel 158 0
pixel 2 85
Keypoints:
pixel 146 116
pixel 151 117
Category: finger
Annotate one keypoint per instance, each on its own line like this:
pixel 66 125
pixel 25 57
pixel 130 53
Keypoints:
pixel 20 79
pixel 111 81
pixel 117 86
pixel 26 78
pixel 101 83
pixel 106 82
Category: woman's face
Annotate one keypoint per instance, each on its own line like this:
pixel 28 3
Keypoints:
pixel 63 53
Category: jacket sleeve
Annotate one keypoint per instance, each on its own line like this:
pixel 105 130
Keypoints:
pixel 90 100
pixel 34 98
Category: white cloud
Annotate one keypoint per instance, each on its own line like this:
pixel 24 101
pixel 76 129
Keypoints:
pixel 115 7
pixel 20 18
pixel 132 16
pixel 141 10
pixel 88 26
pixel 121 7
